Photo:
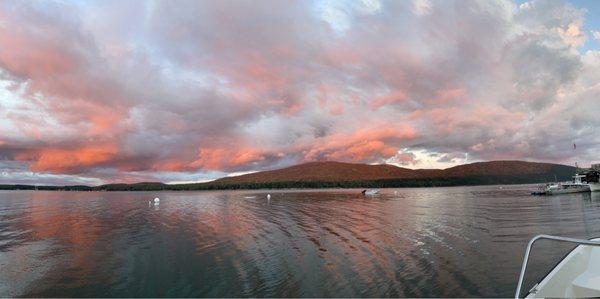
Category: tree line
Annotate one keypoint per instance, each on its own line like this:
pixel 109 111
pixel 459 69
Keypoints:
pixel 382 183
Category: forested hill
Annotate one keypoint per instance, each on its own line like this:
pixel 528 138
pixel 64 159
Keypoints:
pixel 351 175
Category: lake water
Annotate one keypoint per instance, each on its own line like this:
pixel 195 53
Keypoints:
pixel 421 242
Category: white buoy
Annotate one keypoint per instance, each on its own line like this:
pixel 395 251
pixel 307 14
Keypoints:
pixel 268 196
pixel 157 200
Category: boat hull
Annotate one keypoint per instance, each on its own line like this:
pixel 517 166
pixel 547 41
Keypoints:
pixel 568 190
pixel 594 186
pixel 577 275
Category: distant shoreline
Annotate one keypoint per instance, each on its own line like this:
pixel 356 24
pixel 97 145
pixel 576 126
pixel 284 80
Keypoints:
pixel 331 174
pixel 383 183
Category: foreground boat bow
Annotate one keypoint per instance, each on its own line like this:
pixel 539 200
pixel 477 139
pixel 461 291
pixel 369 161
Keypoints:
pixel 577 275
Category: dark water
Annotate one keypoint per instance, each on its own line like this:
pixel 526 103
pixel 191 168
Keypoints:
pixel 442 242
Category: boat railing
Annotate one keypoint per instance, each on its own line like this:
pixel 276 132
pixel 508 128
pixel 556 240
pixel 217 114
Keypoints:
pixel 547 237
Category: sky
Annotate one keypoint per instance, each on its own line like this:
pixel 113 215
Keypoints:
pixel 95 92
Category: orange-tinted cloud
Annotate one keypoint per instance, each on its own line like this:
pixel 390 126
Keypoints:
pixel 227 158
pixel 392 98
pixel 69 160
pixel 362 145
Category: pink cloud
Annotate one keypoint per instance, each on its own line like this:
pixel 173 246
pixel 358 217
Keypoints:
pixel 226 158
pixel 392 98
pixel 244 85
pixel 362 145
pixel 69 160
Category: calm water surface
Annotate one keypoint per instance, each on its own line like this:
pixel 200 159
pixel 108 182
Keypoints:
pixel 442 242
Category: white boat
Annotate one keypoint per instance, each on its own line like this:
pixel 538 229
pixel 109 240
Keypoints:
pixel 591 176
pixel 594 186
pixel 575 186
pixel 370 192
pixel 577 275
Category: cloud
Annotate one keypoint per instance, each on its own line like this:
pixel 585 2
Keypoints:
pixel 421 7
pixel 68 160
pixel 190 90
pixel 361 145
pixel 15 172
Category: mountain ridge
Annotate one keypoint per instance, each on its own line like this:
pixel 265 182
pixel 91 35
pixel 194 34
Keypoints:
pixel 342 171
pixel 333 174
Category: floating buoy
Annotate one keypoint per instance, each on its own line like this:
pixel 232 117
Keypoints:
pixel 268 196
pixel 157 200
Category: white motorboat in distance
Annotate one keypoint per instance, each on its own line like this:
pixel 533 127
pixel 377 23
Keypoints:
pixel 594 186
pixel 370 192
pixel 575 186
pixel 592 177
